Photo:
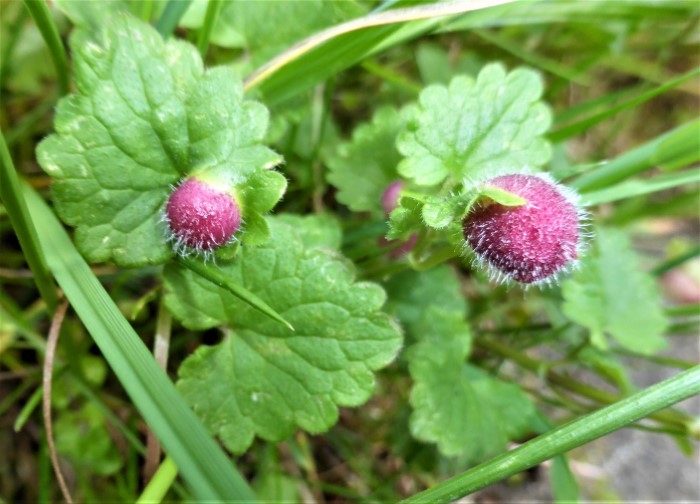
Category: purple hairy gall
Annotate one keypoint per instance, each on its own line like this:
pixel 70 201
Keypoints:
pixel 201 217
pixel 528 243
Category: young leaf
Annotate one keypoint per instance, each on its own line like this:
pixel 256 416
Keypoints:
pixel 474 129
pixel 319 231
pixel 263 379
pixel 611 295
pixel 406 219
pixel 363 169
pixel 466 412
pixel 411 292
pixel 145 114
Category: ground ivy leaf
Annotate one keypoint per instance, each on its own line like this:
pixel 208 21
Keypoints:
pixel 406 219
pixel 145 114
pixel 410 292
pixel 361 170
pixel 262 379
pixel 317 230
pixel 476 129
pixel 610 294
pixel 439 213
pixel 464 411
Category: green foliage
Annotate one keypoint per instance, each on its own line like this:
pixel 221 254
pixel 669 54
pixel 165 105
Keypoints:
pixel 82 438
pixel 407 218
pixel 95 15
pixel 600 296
pixel 262 379
pixel 145 114
pixel 476 128
pixel 361 170
pixel 149 110
pixel 465 412
pixel 267 28
pixel 318 231
pixel 411 291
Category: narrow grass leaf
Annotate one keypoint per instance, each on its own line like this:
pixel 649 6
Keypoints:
pixel 170 17
pixel 566 437
pixel 634 188
pixel 564 485
pixel 585 124
pixel 11 196
pixel 678 147
pixel 330 51
pixel 218 278
pixel 533 58
pixel 213 10
pixel 42 17
pixel 202 462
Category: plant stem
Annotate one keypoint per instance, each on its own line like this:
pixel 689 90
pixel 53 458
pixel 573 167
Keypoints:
pixel 160 483
pixel 161 346
pixel 42 17
pixel 572 385
pixel 566 437
pixel 658 359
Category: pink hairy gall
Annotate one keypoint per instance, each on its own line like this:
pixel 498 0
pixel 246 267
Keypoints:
pixel 201 217
pixel 529 243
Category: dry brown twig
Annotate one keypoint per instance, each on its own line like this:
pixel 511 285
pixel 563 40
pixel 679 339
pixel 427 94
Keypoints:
pixel 51 344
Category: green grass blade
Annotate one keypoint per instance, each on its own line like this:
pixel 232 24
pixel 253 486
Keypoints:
pixel 213 10
pixel 215 276
pixel 678 147
pixel 330 51
pixel 202 462
pixel 564 485
pixel 42 17
pixel 533 58
pixel 581 126
pixel 11 196
pixel 566 437
pixel 634 188
pixel 168 20
pixel 674 262
pixel 587 108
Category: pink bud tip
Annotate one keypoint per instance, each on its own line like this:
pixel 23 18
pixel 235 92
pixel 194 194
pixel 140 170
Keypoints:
pixel 202 217
pixel 390 198
pixel 527 243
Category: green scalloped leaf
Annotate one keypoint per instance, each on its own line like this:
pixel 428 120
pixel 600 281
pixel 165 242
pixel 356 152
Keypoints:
pixel 146 113
pixel 611 295
pixel 475 129
pixel 464 411
pixel 362 169
pixel 406 219
pixel 262 379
